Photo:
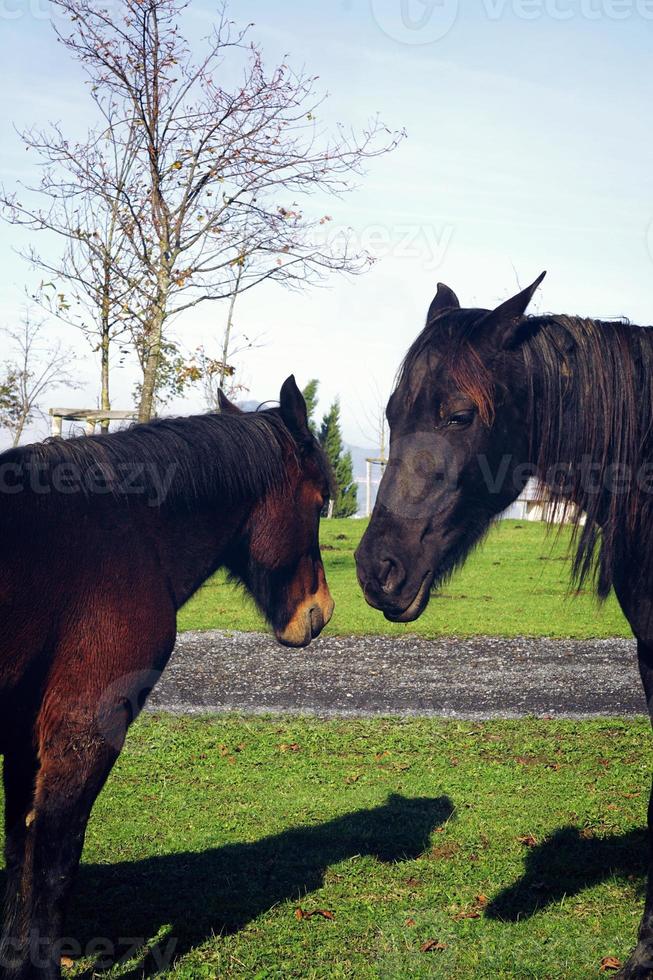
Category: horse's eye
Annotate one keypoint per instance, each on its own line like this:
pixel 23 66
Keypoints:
pixel 461 418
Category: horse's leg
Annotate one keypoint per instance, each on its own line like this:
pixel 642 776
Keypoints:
pixel 637 605
pixel 74 761
pixel 19 773
pixel 640 962
pixel 80 730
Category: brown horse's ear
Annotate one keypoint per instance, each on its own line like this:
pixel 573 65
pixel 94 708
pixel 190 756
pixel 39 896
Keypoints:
pixel 293 409
pixel 444 299
pixel 501 325
pixel 226 406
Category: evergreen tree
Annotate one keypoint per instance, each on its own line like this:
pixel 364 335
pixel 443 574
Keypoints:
pixel 330 439
pixel 310 397
pixel 10 403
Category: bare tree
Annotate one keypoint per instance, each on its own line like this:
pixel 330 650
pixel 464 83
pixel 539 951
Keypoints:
pixel 220 374
pixel 376 426
pixel 34 370
pixel 95 280
pixel 216 169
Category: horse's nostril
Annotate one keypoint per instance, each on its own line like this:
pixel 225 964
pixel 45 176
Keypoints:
pixel 317 620
pixel 391 575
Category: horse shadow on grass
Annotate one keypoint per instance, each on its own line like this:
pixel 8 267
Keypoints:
pixel 566 863
pixel 219 891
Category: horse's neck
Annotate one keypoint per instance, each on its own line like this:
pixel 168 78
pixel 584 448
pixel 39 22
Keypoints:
pixel 192 545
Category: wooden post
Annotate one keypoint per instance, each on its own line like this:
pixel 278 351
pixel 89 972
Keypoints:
pixel 368 505
pixel 90 416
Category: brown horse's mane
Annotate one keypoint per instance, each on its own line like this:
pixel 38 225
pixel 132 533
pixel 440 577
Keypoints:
pixel 590 414
pixel 227 457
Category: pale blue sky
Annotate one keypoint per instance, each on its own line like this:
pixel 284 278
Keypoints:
pixel 529 147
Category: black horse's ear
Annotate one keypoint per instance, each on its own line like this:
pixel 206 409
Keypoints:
pixel 293 409
pixel 444 299
pixel 226 406
pixel 501 325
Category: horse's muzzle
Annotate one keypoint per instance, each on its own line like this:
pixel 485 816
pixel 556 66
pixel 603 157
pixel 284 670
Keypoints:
pixel 308 622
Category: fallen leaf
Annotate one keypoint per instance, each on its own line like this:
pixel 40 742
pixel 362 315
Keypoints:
pixel 289 747
pixel 474 911
pixel 431 945
pixel 302 914
pixel 409 922
pixel 609 963
pixel 467 914
pixel 528 840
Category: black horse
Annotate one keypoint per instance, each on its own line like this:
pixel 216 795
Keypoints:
pixel 484 400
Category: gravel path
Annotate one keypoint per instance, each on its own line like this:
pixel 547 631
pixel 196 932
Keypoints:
pixel 482 677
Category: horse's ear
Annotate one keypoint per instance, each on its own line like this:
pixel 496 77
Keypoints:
pixel 501 325
pixel 293 409
pixel 444 299
pixel 226 406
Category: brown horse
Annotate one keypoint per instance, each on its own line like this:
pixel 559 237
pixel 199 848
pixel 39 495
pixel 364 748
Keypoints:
pixel 102 540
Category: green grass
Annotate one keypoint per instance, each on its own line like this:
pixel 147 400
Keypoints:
pixel 515 584
pixel 214 831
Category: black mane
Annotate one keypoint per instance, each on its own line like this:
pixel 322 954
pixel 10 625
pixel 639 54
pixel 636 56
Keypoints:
pixel 223 456
pixel 591 403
